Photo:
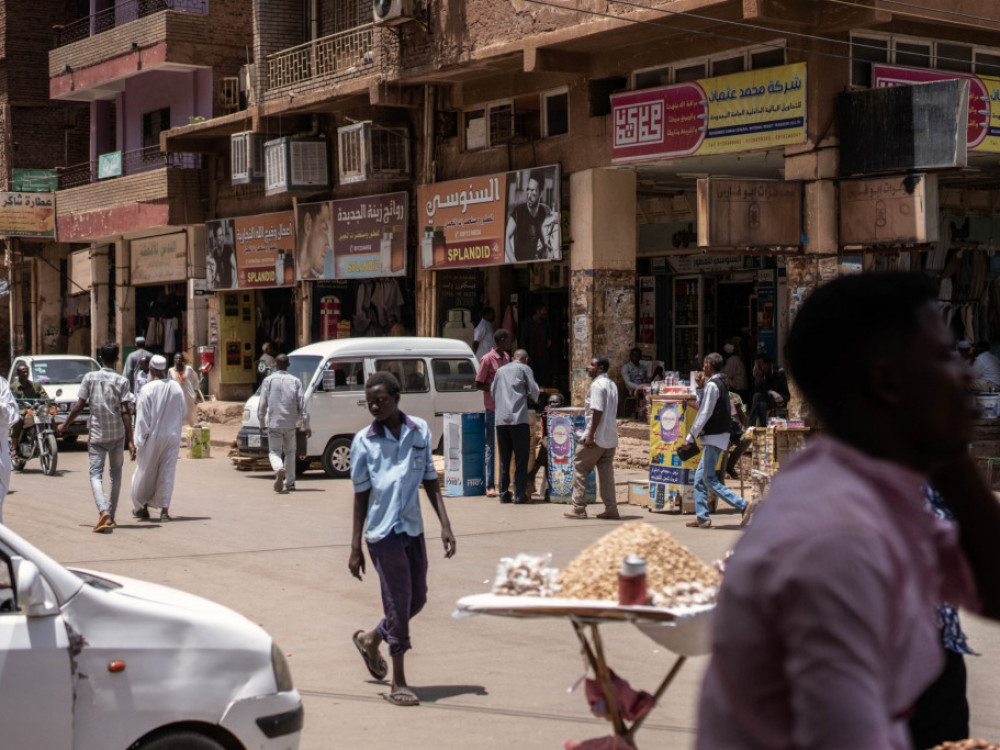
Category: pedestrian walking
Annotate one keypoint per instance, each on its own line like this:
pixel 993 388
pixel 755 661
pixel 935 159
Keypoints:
pixel 713 425
pixel 131 367
pixel 825 632
pixel 513 385
pixel 492 361
pixel 110 400
pixel 142 376
pixel 280 412
pixel 9 415
pixel 389 461
pixel 190 382
pixel 597 442
pixel 159 418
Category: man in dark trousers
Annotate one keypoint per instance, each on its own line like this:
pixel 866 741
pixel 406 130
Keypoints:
pixel 712 424
pixel 513 385
pixel 389 461
pixel 496 358
pixel 770 390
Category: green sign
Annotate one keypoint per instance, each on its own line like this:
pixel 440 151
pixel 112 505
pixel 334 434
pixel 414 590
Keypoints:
pixel 34 180
pixel 109 165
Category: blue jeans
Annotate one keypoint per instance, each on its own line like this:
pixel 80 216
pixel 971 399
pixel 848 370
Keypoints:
pixel 491 436
pixel 114 453
pixel 705 478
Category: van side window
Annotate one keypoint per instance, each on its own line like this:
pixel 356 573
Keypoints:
pixel 454 374
pixel 344 375
pixel 411 373
pixel 7 603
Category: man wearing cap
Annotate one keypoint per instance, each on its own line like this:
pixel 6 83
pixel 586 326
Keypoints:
pixel 132 361
pixel 735 372
pixel 985 368
pixel 635 380
pixel 159 419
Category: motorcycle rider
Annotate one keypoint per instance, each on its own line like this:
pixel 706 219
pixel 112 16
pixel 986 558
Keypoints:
pixel 24 389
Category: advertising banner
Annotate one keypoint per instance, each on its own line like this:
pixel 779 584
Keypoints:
pixel 984 93
pixel 749 213
pixel 250 251
pixel 356 238
pixel 741 112
pixel 159 260
pixel 513 217
pixel 27 214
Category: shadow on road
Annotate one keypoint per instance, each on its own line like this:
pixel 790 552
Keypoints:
pixel 432 693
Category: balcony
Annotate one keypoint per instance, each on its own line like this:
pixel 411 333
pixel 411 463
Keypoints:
pixel 125 41
pixel 154 190
pixel 121 14
pixel 133 162
pixel 346 54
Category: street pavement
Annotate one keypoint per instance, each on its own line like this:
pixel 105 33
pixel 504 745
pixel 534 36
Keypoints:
pixel 484 682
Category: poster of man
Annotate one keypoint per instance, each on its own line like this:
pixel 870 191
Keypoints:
pixel 533 220
pixel 220 255
pixel 314 244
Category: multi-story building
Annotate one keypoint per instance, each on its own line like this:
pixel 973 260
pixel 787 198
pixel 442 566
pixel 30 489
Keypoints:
pixel 673 174
pixel 141 67
pixel 36 135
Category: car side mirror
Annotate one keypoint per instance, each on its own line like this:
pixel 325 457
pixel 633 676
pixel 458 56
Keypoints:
pixel 34 596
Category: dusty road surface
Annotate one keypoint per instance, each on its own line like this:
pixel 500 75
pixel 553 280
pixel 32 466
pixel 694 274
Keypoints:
pixel 485 682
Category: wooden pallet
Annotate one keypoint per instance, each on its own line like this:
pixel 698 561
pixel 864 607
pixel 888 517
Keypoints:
pixel 251 463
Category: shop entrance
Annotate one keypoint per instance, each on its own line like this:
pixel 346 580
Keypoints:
pixel 736 316
pixel 160 317
pixel 275 319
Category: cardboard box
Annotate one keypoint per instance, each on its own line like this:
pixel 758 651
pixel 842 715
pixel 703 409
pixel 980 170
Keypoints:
pixel 464 474
pixel 199 442
pixel 638 494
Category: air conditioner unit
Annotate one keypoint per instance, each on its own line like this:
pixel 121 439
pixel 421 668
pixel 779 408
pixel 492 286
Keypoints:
pixel 229 94
pixel 295 165
pixel 246 156
pixel 392 12
pixel 367 151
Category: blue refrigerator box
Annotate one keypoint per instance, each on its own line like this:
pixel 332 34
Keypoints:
pixel 464 454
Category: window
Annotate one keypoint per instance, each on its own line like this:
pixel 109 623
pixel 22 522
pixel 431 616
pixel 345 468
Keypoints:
pixel 8 596
pixel 690 73
pixel 728 66
pixel 452 375
pixel 501 118
pixel 61 371
pixel 503 122
pixel 913 55
pixel 650 79
pixel 918 53
pixel 767 58
pixel 343 375
pixel 411 373
pixel 957 57
pixel 303 367
pixel 153 123
pixel 555 113
pixel 475 130
pixel 987 65
pixel 864 52
pixel 726 63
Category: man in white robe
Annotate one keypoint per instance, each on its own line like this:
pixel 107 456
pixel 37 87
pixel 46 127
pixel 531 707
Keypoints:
pixel 9 415
pixel 159 418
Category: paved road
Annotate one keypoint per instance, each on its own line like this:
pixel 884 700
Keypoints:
pixel 485 682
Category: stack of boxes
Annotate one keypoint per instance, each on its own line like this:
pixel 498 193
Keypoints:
pixel 464 454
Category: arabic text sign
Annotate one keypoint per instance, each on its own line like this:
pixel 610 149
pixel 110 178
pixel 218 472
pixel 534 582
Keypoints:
pixel 159 260
pixel 265 247
pixel 504 218
pixel 740 112
pixel 109 165
pixel 27 215
pixel 749 213
pixel 984 99
pixel 35 180
pixel 369 236
pixel 889 210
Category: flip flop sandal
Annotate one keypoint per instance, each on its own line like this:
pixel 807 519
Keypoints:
pixel 401 699
pixel 376 667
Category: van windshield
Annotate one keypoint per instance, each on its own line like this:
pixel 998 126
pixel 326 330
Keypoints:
pixel 303 367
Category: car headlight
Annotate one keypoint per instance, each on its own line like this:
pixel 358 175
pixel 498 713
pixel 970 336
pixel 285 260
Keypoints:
pixel 282 674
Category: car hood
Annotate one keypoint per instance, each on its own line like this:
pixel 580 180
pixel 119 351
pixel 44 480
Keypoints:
pixel 62 392
pixel 250 411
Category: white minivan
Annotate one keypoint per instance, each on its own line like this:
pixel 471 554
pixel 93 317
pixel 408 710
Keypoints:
pixel 92 661
pixel 437 376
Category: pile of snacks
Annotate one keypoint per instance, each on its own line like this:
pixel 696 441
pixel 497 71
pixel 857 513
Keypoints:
pixel 593 574
pixel 526 575
pixel 967 745
pixel 684 594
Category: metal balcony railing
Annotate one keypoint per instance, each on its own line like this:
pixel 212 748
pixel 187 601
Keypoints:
pixel 343 54
pixel 133 162
pixel 123 12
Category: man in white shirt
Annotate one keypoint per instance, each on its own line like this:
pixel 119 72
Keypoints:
pixel 483 335
pixel 596 444
pixel 634 377
pixel 712 423
pixel 985 367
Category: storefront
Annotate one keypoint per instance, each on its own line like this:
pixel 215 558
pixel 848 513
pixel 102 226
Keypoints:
pixel 76 304
pixel 159 273
pixel 352 256
pixel 250 267
pixel 497 241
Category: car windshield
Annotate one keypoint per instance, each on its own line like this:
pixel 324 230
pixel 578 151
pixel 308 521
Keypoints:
pixel 61 370
pixel 303 367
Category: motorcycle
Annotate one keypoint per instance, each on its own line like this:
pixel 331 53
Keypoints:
pixel 38 437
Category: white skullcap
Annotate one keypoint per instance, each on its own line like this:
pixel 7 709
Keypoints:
pixel 158 362
pixel 729 348
pixel 963 344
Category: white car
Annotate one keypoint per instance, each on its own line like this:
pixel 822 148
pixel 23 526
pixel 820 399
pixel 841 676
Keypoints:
pixel 60 375
pixel 97 662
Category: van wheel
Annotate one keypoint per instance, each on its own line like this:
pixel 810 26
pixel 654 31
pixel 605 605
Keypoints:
pixel 182 741
pixel 337 458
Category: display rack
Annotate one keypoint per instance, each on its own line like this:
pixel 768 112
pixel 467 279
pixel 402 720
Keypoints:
pixel 694 313
pixel 772 447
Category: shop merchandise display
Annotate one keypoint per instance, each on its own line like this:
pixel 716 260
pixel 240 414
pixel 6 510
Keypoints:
pixel 526 575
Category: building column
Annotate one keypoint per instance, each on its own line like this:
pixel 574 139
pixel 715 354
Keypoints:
pixel 100 295
pixel 602 261
pixel 124 296
pixel 47 297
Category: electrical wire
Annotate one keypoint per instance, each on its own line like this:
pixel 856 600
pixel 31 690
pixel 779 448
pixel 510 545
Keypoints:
pixel 740 24
pixel 959 14
pixel 920 16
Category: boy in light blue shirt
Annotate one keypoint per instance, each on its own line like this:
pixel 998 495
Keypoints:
pixel 389 461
